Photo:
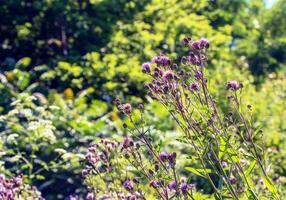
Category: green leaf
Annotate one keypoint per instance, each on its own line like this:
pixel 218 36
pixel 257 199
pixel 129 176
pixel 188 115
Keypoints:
pixel 250 168
pixel 251 195
pixel 271 187
pixel 199 172
pixel 222 147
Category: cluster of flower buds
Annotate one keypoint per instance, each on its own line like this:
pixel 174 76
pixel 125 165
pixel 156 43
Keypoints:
pixel 125 108
pixel 11 189
pixel 233 85
pixel 99 153
pixel 164 75
pixel 127 142
pixel 170 158
pixel 129 184
pixel 182 185
pixel 130 196
pixel 167 76
pixel 200 44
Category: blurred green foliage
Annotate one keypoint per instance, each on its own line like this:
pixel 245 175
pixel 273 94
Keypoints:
pixel 77 56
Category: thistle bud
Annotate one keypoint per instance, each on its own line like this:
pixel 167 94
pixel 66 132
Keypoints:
pixel 146 68
pixel 127 108
pixel 168 75
pixel 233 85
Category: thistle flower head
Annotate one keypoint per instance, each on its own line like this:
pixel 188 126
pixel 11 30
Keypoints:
pixel 161 60
pixel 127 108
pixel 204 43
pixel 168 75
pixel 89 196
pixel 172 185
pixel 196 45
pixel 233 85
pixel 127 142
pixel 154 184
pixel 194 87
pixel 172 157
pixel 163 156
pixel 146 67
pixel 198 74
pixel 128 184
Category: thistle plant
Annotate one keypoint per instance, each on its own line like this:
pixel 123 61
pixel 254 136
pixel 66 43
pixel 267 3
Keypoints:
pixel 14 189
pixel 226 148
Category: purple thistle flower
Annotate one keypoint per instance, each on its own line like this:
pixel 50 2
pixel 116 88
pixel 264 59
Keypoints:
pixel 168 75
pixel 196 45
pixel 233 85
pixel 194 87
pixel 198 74
pixel 172 185
pixel 127 142
pixel 174 66
pixel 184 188
pixel 72 197
pixel 89 196
pixel 161 60
pixel 163 156
pixel 2 178
pixel 155 59
pixel 165 61
pixel 127 108
pixel 232 180
pixel 146 67
pixel 186 40
pixel 193 59
pixel 128 184
pixel 153 184
pixel 204 43
pixel 183 180
pixel 172 157
pixel 84 172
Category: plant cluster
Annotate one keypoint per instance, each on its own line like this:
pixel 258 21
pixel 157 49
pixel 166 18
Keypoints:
pixel 14 189
pixel 226 149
